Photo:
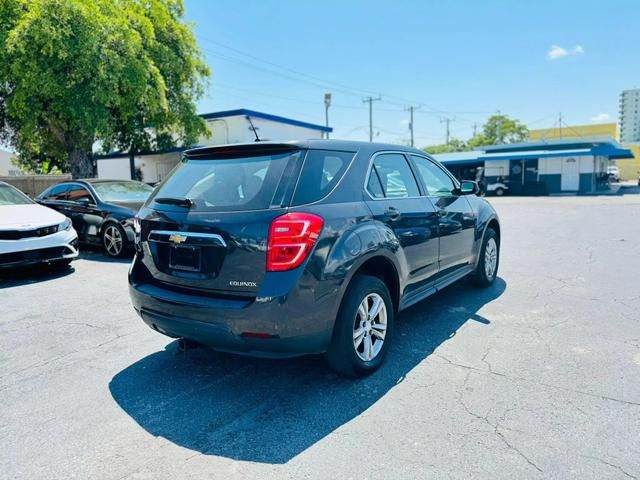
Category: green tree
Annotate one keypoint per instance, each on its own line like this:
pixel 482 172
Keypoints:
pixel 125 73
pixel 454 145
pixel 500 129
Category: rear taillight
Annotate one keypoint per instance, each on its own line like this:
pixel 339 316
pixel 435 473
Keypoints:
pixel 291 238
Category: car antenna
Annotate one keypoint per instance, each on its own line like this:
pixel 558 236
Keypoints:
pixel 253 129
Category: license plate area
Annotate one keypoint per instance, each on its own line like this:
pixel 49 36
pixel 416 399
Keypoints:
pixel 185 258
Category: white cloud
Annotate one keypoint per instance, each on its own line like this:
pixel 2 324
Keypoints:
pixel 559 52
pixel 601 117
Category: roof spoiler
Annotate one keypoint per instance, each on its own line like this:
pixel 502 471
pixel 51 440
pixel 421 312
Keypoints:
pixel 232 151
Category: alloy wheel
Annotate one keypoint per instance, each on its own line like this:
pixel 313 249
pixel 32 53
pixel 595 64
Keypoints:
pixel 370 327
pixel 490 258
pixel 113 240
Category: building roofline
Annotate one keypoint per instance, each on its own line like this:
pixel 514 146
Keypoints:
pixel 265 116
pixel 553 144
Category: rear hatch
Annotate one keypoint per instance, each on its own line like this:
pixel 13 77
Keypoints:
pixel 206 228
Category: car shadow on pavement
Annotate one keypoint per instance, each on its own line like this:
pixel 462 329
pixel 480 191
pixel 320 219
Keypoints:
pixel 97 254
pixel 269 411
pixel 37 273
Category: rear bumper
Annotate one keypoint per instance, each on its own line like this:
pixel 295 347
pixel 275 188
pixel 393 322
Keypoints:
pixel 31 251
pixel 263 326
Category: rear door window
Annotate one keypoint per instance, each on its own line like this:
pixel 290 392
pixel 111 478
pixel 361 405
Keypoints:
pixel 228 184
pixel 321 172
pixel 395 176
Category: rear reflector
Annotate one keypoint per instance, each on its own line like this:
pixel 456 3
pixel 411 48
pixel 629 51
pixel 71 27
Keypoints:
pixel 291 239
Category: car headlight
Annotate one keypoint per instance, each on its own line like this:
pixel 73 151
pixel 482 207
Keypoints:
pixel 65 226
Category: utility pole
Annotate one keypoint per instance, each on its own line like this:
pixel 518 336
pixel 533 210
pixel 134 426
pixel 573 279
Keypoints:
pixel 327 104
pixel 475 129
pixel 560 124
pixel 499 130
pixel 370 101
pixel 411 109
pixel 447 121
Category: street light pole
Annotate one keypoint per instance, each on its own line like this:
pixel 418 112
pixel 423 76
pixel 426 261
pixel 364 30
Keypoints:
pixel 327 104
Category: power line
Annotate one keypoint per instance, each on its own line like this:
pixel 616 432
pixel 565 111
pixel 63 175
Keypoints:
pixel 316 81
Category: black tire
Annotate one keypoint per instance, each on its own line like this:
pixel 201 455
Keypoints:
pixel 342 355
pixel 108 232
pixel 499 192
pixel 480 276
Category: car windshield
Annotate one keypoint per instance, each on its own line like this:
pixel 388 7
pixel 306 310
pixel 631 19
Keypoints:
pixel 11 196
pixel 126 191
pixel 227 184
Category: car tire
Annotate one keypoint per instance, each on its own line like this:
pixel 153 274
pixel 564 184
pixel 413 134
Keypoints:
pixel 489 259
pixel 499 192
pixel 359 356
pixel 114 240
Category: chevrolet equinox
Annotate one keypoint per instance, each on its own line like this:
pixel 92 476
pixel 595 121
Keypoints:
pixel 284 249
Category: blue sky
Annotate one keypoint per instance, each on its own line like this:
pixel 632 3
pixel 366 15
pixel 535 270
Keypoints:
pixel 463 59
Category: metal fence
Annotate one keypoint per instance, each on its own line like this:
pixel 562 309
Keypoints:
pixel 33 185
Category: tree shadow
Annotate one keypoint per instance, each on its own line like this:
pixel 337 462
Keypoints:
pixel 19 276
pixel 269 411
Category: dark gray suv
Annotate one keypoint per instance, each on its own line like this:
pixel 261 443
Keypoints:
pixel 284 249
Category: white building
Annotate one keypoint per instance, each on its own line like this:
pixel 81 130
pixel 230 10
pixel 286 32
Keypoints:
pixel 7 168
pixel 569 165
pixel 630 116
pixel 232 126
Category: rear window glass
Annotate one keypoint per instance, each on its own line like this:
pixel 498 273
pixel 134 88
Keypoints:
pixel 228 184
pixel 321 172
pixel 123 191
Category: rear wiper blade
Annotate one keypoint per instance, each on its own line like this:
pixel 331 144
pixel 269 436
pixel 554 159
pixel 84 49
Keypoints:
pixel 180 202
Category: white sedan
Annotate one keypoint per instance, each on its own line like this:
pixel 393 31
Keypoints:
pixel 31 233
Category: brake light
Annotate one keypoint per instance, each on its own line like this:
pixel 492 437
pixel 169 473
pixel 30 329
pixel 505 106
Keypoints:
pixel 291 239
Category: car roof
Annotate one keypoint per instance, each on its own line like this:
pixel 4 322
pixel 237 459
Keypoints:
pixel 320 144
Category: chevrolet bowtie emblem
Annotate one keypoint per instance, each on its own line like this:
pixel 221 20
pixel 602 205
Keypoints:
pixel 177 238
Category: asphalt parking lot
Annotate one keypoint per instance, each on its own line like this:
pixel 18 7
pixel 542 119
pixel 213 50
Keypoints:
pixel 536 377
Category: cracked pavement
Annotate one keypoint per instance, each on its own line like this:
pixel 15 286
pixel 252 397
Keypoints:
pixel 536 377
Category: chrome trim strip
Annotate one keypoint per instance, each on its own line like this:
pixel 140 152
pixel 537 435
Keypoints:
pixel 213 236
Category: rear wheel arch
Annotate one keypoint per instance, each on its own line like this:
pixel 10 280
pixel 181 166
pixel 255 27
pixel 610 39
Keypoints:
pixel 382 267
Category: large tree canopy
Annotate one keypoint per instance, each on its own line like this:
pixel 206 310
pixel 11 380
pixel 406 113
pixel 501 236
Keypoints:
pixel 125 73
pixel 500 129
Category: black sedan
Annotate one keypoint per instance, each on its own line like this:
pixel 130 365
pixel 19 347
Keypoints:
pixel 102 211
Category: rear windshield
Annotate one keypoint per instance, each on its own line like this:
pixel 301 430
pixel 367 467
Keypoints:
pixel 11 196
pixel 123 191
pixel 228 184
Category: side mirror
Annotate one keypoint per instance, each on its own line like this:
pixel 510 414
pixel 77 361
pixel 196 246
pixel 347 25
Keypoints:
pixel 467 187
pixel 84 201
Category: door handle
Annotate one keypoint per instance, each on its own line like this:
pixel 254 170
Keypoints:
pixel 392 213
